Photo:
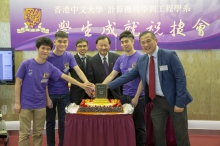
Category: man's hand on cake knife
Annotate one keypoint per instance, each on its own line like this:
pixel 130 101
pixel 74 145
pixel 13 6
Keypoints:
pixel 87 85
pixel 89 88
pixel 88 92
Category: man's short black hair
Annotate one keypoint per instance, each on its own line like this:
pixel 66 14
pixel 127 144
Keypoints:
pixel 126 34
pixel 81 40
pixel 44 41
pixel 61 34
pixel 102 38
pixel 147 32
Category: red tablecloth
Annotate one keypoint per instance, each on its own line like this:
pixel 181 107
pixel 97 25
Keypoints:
pixel 99 130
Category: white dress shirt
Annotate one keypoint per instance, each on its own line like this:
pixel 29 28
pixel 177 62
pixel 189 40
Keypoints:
pixel 103 57
pixel 82 57
pixel 157 79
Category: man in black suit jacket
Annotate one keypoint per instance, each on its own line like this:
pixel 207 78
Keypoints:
pixel 99 69
pixel 76 93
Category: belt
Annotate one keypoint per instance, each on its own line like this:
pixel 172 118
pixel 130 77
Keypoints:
pixel 160 96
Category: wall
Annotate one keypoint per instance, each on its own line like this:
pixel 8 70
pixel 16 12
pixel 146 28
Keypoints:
pixel 202 68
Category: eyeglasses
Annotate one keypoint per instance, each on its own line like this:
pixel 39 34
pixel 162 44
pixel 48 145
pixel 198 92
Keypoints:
pixel 81 46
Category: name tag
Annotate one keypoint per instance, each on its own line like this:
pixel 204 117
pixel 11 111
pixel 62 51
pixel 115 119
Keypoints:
pixel 163 68
pixel 129 69
pixel 66 69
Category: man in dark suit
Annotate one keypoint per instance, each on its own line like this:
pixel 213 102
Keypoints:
pixel 82 59
pixel 169 96
pixel 100 65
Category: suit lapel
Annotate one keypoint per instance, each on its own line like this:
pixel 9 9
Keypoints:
pixel 87 61
pixel 144 68
pixel 159 63
pixel 77 58
pixel 79 62
pixel 99 64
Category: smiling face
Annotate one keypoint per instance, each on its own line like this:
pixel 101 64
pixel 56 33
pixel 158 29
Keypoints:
pixel 43 51
pixel 61 44
pixel 148 43
pixel 127 44
pixel 82 48
pixel 103 46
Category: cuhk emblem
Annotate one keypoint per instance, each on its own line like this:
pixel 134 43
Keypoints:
pixel 32 17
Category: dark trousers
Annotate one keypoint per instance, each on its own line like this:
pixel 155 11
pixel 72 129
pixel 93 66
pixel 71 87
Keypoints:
pixel 59 101
pixel 161 110
pixel 138 117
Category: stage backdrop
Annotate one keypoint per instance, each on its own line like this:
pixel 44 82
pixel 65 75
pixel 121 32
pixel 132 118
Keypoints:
pixel 178 24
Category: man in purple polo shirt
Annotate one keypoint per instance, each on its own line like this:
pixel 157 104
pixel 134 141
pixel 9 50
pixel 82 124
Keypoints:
pixel 124 64
pixel 58 90
pixel 30 91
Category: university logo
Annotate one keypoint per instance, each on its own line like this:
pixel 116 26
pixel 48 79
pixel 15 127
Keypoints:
pixel 66 65
pixel 32 21
pixel 133 64
pixel 45 76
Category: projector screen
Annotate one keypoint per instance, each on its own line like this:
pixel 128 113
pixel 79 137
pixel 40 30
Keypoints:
pixel 7 72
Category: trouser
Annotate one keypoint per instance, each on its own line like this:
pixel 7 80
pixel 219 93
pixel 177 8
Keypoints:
pixel 25 116
pixel 138 117
pixel 161 110
pixel 60 101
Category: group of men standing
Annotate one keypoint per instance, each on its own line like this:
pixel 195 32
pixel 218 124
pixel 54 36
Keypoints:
pixel 48 74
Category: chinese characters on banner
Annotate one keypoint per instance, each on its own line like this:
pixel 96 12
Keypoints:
pixel 175 24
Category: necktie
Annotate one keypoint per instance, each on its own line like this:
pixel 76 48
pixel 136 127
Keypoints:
pixel 152 92
pixel 84 63
pixel 105 65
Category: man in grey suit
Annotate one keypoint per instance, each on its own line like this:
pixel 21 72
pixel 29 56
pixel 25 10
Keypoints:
pixel 170 96
pixel 82 59
pixel 100 65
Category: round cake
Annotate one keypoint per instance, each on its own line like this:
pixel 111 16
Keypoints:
pixel 100 105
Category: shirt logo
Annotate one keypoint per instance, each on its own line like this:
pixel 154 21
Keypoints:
pixel 121 66
pixel 66 67
pixel 133 64
pixel 30 72
pixel 45 78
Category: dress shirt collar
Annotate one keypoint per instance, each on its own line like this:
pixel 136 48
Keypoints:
pixel 155 53
pixel 82 56
pixel 103 57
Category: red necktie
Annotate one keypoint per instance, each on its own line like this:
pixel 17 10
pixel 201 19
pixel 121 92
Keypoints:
pixel 152 91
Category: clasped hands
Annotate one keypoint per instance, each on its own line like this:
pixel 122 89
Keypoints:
pixel 89 88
